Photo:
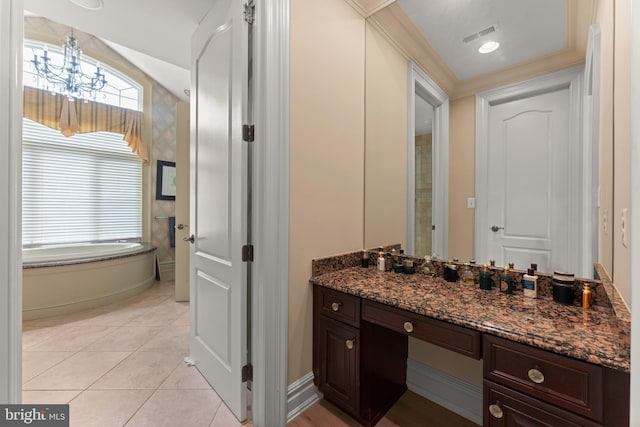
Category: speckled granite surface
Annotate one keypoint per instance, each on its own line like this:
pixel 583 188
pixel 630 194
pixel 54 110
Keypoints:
pixel 595 335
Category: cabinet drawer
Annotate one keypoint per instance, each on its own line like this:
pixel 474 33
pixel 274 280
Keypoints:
pixel 338 305
pixel 452 337
pixel 505 408
pixel 562 381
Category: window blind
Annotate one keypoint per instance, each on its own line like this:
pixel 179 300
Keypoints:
pixel 83 188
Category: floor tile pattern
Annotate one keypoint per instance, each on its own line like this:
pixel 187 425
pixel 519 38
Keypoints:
pixel 121 365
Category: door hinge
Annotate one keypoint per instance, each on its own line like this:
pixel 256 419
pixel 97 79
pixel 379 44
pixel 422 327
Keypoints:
pixel 249 12
pixel 247 133
pixel 247 373
pixel 247 253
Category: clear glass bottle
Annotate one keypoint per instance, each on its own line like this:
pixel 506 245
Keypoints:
pixel 466 277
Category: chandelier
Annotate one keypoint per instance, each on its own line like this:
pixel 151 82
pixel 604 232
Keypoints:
pixel 68 78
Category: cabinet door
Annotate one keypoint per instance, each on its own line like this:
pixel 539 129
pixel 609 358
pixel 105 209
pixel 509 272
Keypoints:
pixel 339 359
pixel 504 407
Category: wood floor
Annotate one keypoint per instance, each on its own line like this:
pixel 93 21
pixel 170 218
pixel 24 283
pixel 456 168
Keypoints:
pixel 411 410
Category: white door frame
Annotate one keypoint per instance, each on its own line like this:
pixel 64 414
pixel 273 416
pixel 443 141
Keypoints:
pixel 591 146
pixel 634 418
pixel 11 22
pixel 571 79
pixel 270 297
pixel 270 288
pixel 420 82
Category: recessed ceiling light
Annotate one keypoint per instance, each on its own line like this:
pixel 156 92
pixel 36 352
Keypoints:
pixel 488 47
pixel 89 4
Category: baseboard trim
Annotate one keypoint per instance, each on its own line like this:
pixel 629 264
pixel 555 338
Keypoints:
pixel 301 394
pixel 450 392
pixel 166 266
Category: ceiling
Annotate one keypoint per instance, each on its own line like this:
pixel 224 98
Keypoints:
pixel 155 35
pixel 525 29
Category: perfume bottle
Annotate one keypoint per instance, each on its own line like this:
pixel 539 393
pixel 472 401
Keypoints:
pixel 506 281
pixel 364 261
pixel 587 296
pixel 381 261
pixel 466 278
pixel 485 278
pixel 530 284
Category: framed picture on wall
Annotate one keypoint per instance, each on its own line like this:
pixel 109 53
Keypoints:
pixel 166 180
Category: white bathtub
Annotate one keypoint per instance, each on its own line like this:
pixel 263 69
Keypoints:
pixel 66 278
pixel 78 251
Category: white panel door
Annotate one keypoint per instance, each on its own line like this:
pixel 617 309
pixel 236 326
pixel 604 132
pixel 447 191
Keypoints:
pixel 218 277
pixel 528 182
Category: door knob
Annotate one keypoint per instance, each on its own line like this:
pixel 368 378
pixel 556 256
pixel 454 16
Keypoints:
pixel 495 228
pixel 190 239
pixel 181 226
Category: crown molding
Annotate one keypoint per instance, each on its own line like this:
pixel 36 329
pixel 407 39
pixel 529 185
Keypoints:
pixel 366 8
pixel 397 27
pixel 394 24
pixel 523 71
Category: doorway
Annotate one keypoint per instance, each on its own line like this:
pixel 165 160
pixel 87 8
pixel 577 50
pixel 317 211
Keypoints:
pixel 270 314
pixel 424 177
pixel 526 163
pixel 427 166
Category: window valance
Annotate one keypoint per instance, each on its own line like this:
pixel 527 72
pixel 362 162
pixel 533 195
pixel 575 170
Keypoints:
pixel 70 118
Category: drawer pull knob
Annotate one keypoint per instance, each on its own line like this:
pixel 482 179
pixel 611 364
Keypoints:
pixel 536 376
pixel 335 306
pixel 496 410
pixel 349 343
pixel 408 326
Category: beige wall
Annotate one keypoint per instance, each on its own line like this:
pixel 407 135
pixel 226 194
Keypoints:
pixel 326 153
pixel 462 172
pixel 328 214
pixel 604 18
pixel 385 200
pixel 622 146
pixel 615 134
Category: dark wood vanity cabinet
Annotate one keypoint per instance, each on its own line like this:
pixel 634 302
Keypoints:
pixel 360 363
pixel 339 370
pixel 359 367
pixel 526 386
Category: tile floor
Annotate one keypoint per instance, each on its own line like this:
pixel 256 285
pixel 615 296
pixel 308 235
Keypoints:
pixel 121 365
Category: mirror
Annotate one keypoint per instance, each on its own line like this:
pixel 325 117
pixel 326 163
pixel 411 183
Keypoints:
pixel 396 192
pixel 423 183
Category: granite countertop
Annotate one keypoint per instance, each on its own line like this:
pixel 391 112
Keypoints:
pixel 594 335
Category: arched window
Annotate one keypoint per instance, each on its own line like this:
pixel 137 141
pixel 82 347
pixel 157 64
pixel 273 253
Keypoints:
pixel 120 90
pixel 86 187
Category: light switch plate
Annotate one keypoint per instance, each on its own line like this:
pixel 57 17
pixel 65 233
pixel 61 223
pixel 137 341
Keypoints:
pixel 471 202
